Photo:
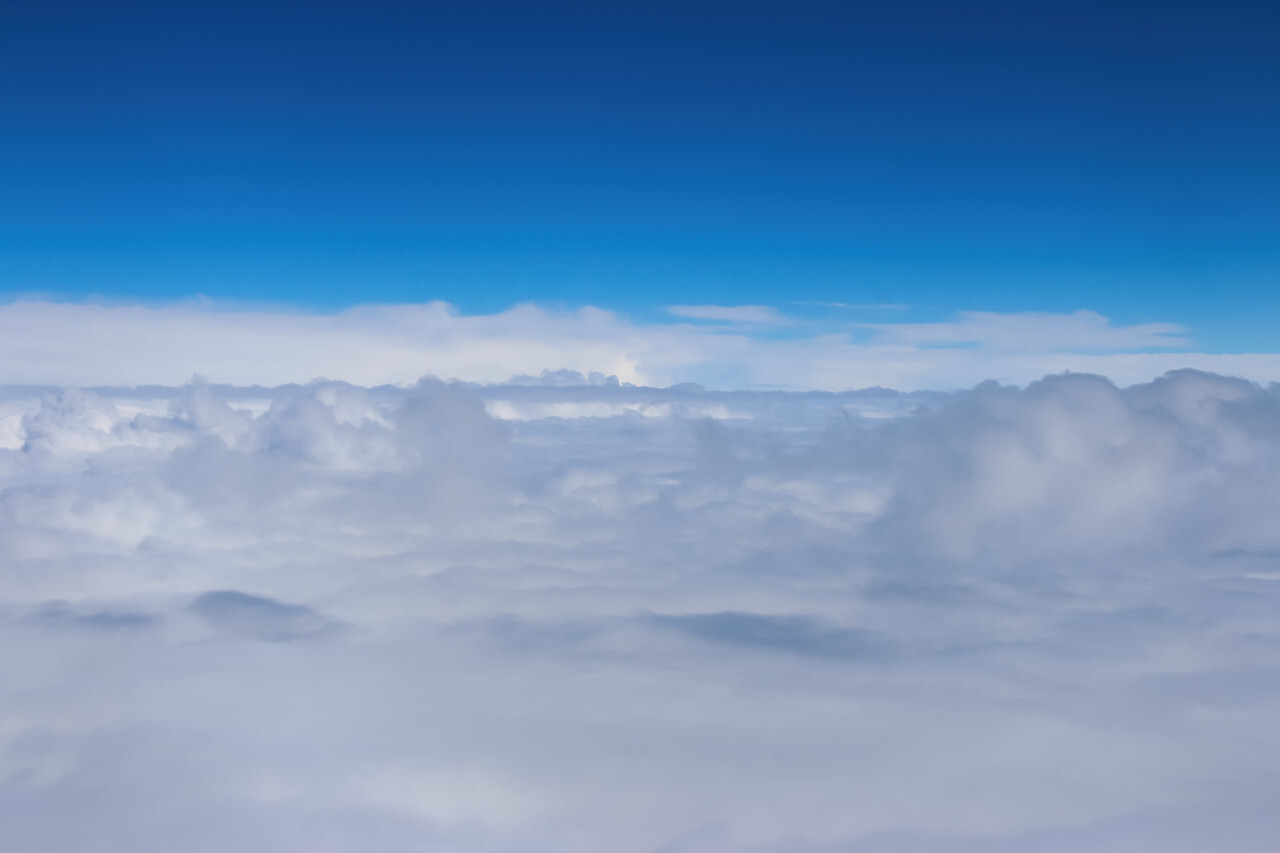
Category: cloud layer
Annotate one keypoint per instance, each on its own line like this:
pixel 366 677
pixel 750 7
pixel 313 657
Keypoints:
pixel 725 347
pixel 577 616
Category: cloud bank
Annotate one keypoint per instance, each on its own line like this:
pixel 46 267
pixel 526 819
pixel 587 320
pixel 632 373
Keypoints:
pixel 728 347
pixel 579 616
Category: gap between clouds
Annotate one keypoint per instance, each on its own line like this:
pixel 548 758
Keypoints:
pixel 727 347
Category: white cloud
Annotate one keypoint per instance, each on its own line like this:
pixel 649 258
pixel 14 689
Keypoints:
pixel 764 315
pixel 1033 332
pixel 88 345
pixel 350 618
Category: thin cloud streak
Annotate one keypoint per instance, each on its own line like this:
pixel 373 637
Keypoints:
pixel 1033 332
pixel 763 315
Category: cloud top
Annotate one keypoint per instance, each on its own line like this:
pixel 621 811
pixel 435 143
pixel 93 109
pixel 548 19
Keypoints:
pixel 329 616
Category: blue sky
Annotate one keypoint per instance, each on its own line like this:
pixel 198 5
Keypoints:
pixel 1118 158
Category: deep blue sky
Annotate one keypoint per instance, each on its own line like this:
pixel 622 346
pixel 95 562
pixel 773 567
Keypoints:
pixel 1121 157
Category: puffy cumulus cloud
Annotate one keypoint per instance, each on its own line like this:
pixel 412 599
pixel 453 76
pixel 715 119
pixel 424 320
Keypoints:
pixel 573 615
pixel 741 347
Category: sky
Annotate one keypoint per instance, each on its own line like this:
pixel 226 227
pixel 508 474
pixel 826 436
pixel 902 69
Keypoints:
pixel 843 162
pixel 481 427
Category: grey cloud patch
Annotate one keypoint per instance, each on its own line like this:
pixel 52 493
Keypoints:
pixel 802 635
pixel 516 633
pixel 61 615
pixel 243 615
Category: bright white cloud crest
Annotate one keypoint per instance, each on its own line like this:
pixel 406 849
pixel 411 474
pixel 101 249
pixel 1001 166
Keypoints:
pixel 583 617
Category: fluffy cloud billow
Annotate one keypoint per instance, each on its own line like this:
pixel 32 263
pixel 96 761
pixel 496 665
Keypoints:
pixel 572 614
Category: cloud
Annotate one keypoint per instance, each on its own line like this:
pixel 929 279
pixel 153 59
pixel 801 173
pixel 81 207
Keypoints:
pixel 60 344
pixel 243 615
pixel 640 619
pixel 1033 332
pixel 862 306
pixel 764 315
pixel 794 634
